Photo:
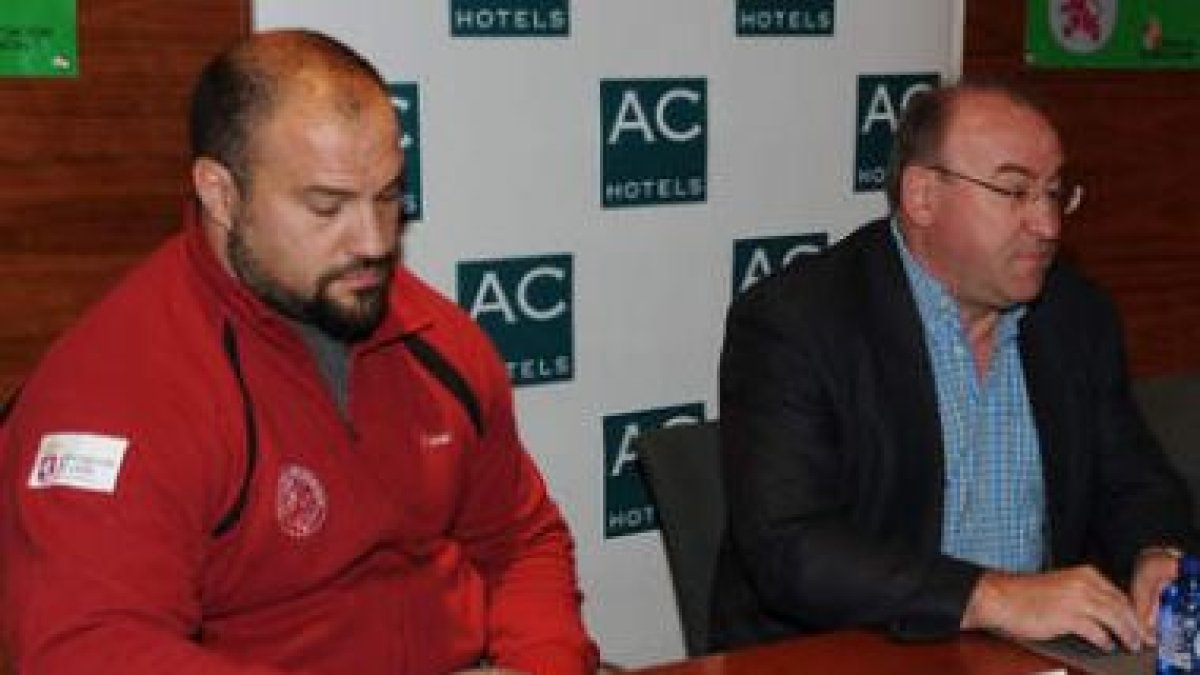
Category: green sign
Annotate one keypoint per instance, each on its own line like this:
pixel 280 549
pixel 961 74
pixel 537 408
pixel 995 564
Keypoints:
pixel 37 39
pixel 1113 33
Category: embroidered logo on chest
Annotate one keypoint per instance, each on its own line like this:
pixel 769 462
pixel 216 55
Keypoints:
pixel 436 440
pixel 300 502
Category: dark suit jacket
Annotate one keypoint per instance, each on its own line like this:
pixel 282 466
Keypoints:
pixel 833 449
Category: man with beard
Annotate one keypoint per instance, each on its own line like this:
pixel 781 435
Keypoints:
pixel 271 449
pixel 929 427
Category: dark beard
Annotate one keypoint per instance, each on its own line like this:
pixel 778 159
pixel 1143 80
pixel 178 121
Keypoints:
pixel 347 324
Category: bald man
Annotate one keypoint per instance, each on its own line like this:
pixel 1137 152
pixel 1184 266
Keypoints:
pixel 271 449
pixel 929 427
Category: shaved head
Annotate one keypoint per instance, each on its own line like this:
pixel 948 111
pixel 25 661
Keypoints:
pixel 245 85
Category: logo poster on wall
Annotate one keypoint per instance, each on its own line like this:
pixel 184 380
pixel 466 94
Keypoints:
pixel 38 39
pixel 756 259
pixel 407 102
pixel 525 305
pixel 654 144
pixel 628 508
pixel 881 99
pixel 509 18
pixel 784 17
pixel 1113 33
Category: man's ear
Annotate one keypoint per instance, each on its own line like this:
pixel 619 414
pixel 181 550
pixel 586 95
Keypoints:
pixel 918 194
pixel 216 189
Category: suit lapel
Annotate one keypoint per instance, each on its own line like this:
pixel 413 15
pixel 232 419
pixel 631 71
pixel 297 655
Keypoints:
pixel 1049 399
pixel 906 385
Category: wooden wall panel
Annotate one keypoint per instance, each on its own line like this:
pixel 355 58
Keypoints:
pixel 1132 136
pixel 93 170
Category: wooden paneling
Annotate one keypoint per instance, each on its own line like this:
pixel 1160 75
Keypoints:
pixel 1133 137
pixel 93 170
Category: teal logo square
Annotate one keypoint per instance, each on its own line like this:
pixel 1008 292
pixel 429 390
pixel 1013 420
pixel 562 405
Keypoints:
pixel 628 508
pixel 525 305
pixel 509 18
pixel 406 100
pixel 756 259
pixel 654 141
pixel 881 100
pixel 778 18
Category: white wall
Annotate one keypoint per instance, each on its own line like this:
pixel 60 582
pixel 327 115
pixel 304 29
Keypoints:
pixel 511 152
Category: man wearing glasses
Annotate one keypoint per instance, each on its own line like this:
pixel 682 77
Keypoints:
pixel 929 428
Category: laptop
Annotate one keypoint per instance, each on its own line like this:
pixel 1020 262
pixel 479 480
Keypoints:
pixel 1081 655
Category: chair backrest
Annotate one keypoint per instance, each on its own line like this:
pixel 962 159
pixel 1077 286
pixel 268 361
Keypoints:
pixel 682 466
pixel 1171 406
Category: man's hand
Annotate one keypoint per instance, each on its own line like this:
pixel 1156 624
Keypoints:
pixel 1156 567
pixel 1078 601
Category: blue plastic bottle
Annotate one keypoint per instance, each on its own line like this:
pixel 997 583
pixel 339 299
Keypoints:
pixel 1171 658
pixel 1179 622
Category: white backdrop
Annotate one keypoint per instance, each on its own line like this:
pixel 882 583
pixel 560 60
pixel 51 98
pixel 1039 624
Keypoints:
pixel 512 140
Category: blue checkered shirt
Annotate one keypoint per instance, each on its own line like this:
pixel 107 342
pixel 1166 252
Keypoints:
pixel 994 506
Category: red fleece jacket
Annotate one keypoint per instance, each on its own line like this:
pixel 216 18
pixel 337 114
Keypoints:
pixel 392 539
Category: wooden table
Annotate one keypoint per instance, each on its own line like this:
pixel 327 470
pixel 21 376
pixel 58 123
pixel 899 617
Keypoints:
pixel 869 653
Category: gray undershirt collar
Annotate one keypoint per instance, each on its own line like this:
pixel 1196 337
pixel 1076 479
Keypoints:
pixel 333 361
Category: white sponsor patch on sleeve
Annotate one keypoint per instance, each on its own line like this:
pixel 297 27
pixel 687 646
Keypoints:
pixel 78 460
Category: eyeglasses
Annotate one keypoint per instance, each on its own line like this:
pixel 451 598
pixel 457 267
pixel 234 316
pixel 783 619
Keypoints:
pixel 1064 198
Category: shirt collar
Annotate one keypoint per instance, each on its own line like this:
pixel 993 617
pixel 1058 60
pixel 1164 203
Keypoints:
pixel 935 304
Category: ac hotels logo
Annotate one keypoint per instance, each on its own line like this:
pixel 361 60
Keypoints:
pixel 509 18
pixel 759 258
pixel 784 17
pixel 881 101
pixel 407 103
pixel 525 306
pixel 628 508
pixel 654 143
